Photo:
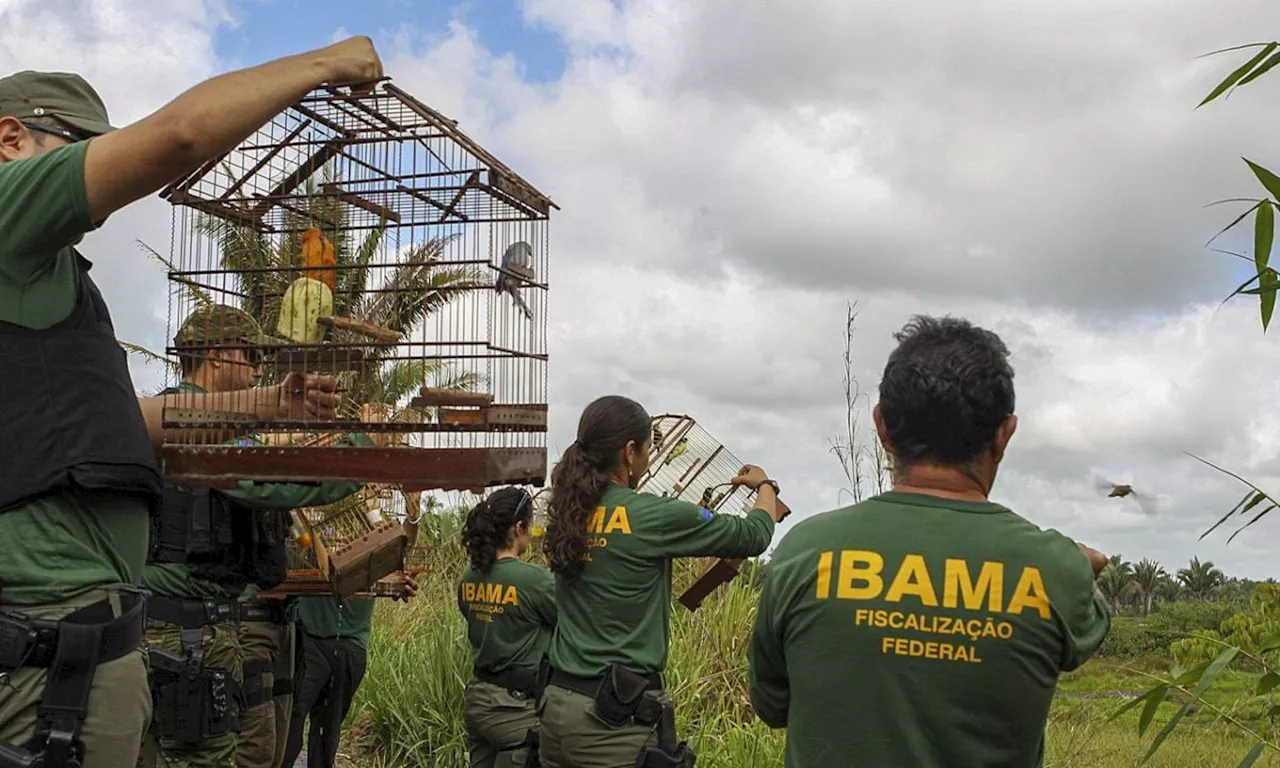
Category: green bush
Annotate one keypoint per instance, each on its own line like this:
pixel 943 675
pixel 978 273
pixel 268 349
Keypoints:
pixel 1147 636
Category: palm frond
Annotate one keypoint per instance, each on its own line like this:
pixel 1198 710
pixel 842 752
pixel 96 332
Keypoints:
pixel 201 296
pixel 150 356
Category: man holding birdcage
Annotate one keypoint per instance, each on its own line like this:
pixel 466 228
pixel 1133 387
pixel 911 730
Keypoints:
pixel 80 473
pixel 207 547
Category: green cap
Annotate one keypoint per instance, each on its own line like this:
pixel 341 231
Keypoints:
pixel 215 324
pixel 63 95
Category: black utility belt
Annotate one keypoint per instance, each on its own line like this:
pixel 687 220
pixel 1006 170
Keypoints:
pixel 590 686
pixel 272 613
pixel 519 679
pixel 28 642
pixel 193 613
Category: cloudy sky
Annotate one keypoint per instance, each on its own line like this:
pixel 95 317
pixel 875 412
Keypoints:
pixel 732 174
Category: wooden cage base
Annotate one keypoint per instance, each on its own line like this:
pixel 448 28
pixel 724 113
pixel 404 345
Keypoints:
pixel 359 565
pixel 413 469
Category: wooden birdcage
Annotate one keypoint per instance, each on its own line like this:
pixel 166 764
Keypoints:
pixel 686 462
pixel 375 242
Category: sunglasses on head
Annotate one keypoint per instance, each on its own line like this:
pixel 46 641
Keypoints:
pixel 54 131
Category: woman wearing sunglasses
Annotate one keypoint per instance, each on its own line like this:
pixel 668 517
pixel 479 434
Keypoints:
pixel 510 610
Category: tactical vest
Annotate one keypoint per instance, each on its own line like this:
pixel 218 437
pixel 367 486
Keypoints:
pixel 219 539
pixel 69 418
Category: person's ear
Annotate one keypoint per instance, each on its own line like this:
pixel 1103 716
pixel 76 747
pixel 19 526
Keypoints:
pixel 14 138
pixel 1003 435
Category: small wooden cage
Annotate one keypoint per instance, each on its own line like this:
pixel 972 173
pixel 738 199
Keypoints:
pixel 687 462
pixel 369 238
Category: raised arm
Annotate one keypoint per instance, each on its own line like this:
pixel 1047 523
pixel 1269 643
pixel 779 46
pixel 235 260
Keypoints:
pixel 210 119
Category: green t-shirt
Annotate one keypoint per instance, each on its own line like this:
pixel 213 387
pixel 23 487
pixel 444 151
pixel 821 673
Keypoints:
pixel 911 630
pixel 351 620
pixel 619 608
pixel 175 580
pixel 510 613
pixel 69 544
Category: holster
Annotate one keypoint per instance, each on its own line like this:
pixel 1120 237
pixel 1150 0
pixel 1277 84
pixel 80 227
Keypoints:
pixel 71 649
pixel 669 753
pixel 192 701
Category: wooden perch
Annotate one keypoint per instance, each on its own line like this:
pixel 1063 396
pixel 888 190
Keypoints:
pixel 362 328
pixel 431 396
pixel 722 572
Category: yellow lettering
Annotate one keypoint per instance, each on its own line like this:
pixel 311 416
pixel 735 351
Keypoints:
pixel 860 615
pixel 596 523
pixel 468 591
pixel 912 579
pixel 824 575
pixel 885 643
pixel 619 521
pixel 959 585
pixel 931 650
pixel 1030 594
pixel 895 620
pixel 511 597
pixel 860 565
pixel 493 593
pixel 945 651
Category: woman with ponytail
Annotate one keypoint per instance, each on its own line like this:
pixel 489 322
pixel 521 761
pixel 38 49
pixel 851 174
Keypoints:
pixel 510 610
pixel 610 548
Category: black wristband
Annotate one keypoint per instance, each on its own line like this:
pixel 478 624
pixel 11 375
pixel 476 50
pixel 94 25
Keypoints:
pixel 776 491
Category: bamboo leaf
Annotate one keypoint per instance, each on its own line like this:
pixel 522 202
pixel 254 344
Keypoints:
pixel 1264 232
pixel 1255 519
pixel 1267 297
pixel 1229 50
pixel 1237 220
pixel 1136 701
pixel 1210 674
pixel 1239 73
pixel 1154 698
pixel 1248 495
pixel 1265 67
pixel 1252 756
pixel 1268 179
pixel 1268 682
pixel 1270 644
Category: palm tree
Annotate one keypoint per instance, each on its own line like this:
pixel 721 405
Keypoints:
pixel 1148 581
pixel 1115 582
pixel 1201 580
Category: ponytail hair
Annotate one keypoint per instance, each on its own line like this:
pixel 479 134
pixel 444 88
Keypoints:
pixel 489 525
pixel 582 475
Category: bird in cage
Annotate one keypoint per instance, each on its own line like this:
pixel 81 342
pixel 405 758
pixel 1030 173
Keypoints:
pixel 681 446
pixel 317 251
pixel 308 299
pixel 517 263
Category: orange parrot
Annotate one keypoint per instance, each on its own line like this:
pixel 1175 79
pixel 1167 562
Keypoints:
pixel 317 251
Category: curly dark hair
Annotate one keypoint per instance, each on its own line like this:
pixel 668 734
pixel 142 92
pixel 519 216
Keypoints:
pixel 581 476
pixel 489 523
pixel 945 392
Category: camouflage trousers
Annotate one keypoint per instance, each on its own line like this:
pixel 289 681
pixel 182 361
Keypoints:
pixel 497 723
pixel 264 728
pixel 221 645
pixel 119 709
pixel 572 736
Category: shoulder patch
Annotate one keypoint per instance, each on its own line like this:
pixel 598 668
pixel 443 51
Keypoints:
pixel 706 513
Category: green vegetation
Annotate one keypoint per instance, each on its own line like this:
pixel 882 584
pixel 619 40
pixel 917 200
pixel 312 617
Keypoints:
pixel 409 710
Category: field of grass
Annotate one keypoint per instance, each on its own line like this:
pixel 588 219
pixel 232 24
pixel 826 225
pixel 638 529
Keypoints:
pixel 408 712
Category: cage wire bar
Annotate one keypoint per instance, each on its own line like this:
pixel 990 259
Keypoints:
pixel 372 240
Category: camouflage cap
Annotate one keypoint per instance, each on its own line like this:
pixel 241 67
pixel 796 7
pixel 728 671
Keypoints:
pixel 220 324
pixel 63 95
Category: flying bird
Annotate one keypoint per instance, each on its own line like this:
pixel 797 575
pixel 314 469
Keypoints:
pixel 1124 490
pixel 517 263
